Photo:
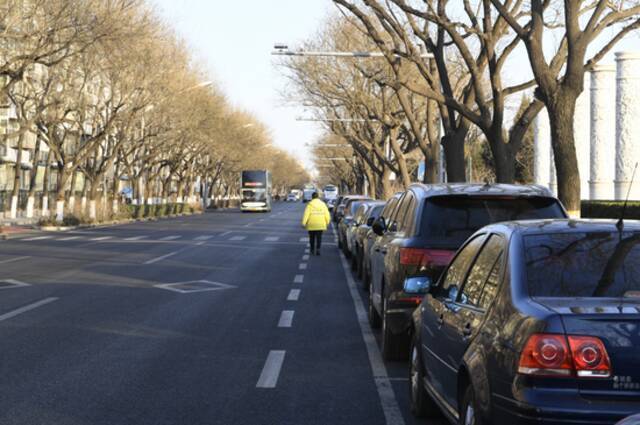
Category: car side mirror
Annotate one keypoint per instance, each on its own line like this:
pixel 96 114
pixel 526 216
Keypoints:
pixel 417 285
pixel 370 221
pixel 378 226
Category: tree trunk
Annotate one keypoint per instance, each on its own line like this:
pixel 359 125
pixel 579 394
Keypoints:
pixel 561 114
pixel 45 186
pixel 503 157
pixel 386 189
pixel 453 145
pixel 405 178
pixel 31 200
pixel 431 162
pixel 72 192
pixel 93 200
pixel 63 176
pixel 17 179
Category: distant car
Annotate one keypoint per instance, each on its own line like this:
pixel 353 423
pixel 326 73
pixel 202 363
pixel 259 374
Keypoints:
pixel 533 322
pixel 370 238
pixel 360 232
pixel 292 197
pixel 419 239
pixel 351 205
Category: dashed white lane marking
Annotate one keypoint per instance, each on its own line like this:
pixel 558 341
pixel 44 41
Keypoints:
pixel 11 260
pixel 101 238
pixel 307 251
pixel 37 238
pixel 203 238
pixel 135 238
pixel 294 295
pixel 238 238
pixel 302 266
pixel 26 308
pixel 226 233
pixel 155 260
pixel 305 257
pixel 70 238
pixel 304 239
pixel 271 370
pixel 286 319
pixel 170 238
pixel 298 279
pixel 390 407
pixel 272 238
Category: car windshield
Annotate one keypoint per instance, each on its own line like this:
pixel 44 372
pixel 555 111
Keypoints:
pixel 594 264
pixel 450 220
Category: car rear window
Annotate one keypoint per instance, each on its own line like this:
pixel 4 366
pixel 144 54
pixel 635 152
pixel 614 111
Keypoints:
pixel 450 220
pixel 595 264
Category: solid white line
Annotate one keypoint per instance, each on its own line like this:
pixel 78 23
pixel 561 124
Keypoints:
pixel 11 260
pixel 294 295
pixel 271 370
pixel 26 308
pixel 272 238
pixel 70 238
pixel 238 238
pixel 305 257
pixel 298 279
pixel 135 238
pixel 286 319
pixel 38 238
pixel 390 407
pixel 155 260
pixel 170 238
pixel 302 266
pixel 101 238
pixel 203 238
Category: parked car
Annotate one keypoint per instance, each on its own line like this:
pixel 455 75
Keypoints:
pixel 351 205
pixel 419 239
pixel 338 209
pixel 359 219
pixel 360 233
pixel 533 322
pixel 292 197
pixel 371 237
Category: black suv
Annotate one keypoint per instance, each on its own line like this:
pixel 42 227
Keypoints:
pixel 419 239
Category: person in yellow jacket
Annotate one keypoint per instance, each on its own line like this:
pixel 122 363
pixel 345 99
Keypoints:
pixel 316 218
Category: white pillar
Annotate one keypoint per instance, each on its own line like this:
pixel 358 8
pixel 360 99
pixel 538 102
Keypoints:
pixel 542 149
pixel 45 206
pixel 92 209
pixel 30 204
pixel 581 137
pixel 59 211
pixel 553 179
pixel 603 130
pixel 627 120
pixel 14 207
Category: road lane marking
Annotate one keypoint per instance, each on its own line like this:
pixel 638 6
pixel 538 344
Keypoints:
pixel 136 238
pixel 101 238
pixel 170 238
pixel 12 284
pixel 226 233
pixel 388 401
pixel 26 308
pixel 302 266
pixel 307 251
pixel 271 370
pixel 11 260
pixel 155 260
pixel 70 238
pixel 238 238
pixel 272 239
pixel 305 257
pixel 286 319
pixel 294 295
pixel 298 279
pixel 304 239
pixel 203 238
pixel 38 238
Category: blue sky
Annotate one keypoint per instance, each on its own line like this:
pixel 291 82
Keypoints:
pixel 234 40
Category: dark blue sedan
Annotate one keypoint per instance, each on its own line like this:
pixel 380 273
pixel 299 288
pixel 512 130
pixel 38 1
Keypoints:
pixel 533 322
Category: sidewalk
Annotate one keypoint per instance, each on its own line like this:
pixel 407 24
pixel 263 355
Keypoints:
pixel 17 226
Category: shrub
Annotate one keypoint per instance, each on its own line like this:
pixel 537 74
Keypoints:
pixel 610 209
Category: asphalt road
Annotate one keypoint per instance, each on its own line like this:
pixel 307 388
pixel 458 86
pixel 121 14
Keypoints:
pixel 211 319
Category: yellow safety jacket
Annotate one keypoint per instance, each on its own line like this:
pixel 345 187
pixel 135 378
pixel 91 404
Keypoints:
pixel 316 216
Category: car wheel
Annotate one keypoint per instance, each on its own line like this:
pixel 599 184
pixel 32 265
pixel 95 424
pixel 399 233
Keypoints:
pixel 374 317
pixel 422 405
pixel 359 267
pixel 354 264
pixel 469 412
pixel 366 277
pixel 339 242
pixel 394 346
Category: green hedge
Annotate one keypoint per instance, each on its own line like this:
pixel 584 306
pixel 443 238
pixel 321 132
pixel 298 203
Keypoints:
pixel 610 209
pixel 143 211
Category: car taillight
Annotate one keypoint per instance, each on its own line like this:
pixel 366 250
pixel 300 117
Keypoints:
pixel 425 257
pixel 552 355
pixel 590 357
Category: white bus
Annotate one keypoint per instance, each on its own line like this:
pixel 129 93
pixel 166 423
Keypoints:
pixel 330 192
pixel 255 190
pixel 307 191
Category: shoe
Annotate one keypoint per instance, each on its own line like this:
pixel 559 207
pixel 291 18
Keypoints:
pixel 318 253
pixel 313 252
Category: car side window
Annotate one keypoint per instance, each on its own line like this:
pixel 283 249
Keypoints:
pixel 481 271
pixel 393 219
pixel 458 269
pixel 409 216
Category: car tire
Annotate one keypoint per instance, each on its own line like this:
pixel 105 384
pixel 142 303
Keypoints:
pixel 354 262
pixel 395 347
pixel 359 265
pixel 421 403
pixel 339 242
pixel 366 277
pixel 374 318
pixel 469 412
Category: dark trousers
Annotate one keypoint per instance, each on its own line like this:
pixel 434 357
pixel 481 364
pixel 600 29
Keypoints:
pixel 315 240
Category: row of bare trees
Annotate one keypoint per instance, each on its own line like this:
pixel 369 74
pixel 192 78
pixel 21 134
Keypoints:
pixel 103 102
pixel 449 68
